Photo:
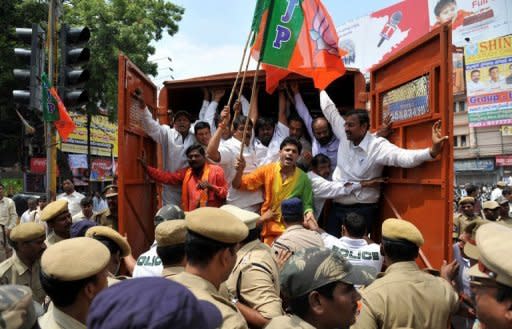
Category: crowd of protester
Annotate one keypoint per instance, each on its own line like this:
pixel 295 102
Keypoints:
pixel 265 224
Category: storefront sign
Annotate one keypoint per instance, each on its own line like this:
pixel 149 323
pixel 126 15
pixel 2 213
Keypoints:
pixel 503 160
pixel 38 165
pixel 474 165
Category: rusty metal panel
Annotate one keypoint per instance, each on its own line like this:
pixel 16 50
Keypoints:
pixel 137 195
pixel 415 87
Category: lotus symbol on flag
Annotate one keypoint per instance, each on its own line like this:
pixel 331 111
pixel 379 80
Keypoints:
pixel 321 33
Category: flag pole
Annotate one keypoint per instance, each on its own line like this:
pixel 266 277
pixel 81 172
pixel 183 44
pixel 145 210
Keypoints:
pixel 237 111
pixel 51 152
pixel 253 92
pixel 240 68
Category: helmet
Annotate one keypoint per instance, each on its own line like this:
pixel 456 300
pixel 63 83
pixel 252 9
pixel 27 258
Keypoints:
pixel 168 212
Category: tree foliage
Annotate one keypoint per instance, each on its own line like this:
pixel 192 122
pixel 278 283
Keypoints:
pixel 116 26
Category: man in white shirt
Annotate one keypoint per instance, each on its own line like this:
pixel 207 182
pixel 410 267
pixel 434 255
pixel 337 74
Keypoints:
pixel 148 263
pixel 225 155
pixel 30 214
pixel 497 192
pixel 324 189
pixel 353 246
pixel 87 212
pixel 72 196
pixel 363 156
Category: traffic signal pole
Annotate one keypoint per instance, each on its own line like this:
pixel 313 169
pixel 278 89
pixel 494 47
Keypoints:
pixel 51 140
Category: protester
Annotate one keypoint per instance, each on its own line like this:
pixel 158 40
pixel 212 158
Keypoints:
pixel 8 218
pixel 280 180
pixel 202 183
pixel 30 214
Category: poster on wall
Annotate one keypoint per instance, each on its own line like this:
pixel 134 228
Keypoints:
pixel 474 20
pixel 372 39
pixel 489 82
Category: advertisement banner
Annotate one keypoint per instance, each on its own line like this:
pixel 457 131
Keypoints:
pixel 38 166
pixel 101 169
pixel 503 160
pixel 458 73
pixel 103 136
pixel 372 39
pixel 489 82
pixel 475 20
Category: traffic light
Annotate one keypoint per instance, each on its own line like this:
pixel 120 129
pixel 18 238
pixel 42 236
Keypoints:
pixel 32 66
pixel 74 56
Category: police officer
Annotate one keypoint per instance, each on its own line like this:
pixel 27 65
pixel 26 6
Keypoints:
pixel 73 272
pixel 116 244
pixel 23 266
pixel 393 300
pixel 212 243
pixel 491 278
pixel 170 240
pixel 467 215
pixel 318 285
pixel 254 281
pixel 148 263
pixel 58 218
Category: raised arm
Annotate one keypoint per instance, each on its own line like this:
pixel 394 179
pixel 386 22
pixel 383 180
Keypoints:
pixel 158 132
pixel 301 108
pixel 209 114
pixel 332 115
pixel 212 151
pixel 204 105
pixel 282 108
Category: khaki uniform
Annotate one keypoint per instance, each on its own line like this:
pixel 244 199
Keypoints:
pixel 52 238
pixel 460 222
pixel 171 271
pixel 296 238
pixel 255 279
pixel 204 290
pixel 405 296
pixel 288 322
pixel 14 271
pixel 56 319
pixel 505 221
pixel 8 218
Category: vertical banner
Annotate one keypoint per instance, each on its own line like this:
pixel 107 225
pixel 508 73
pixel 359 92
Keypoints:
pixel 458 73
pixel 489 82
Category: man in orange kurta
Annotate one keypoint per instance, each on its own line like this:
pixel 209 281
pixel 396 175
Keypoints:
pixel 203 184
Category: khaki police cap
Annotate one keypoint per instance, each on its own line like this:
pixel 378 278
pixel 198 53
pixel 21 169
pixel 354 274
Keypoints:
pixel 494 242
pixel 490 205
pixel 467 199
pixel 107 232
pixel 501 184
pixel 53 209
pixel 74 259
pixel 399 229
pixel 216 224
pixel 248 217
pixel 27 232
pixel 171 233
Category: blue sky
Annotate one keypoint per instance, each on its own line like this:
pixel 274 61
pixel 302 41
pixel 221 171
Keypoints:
pixel 212 34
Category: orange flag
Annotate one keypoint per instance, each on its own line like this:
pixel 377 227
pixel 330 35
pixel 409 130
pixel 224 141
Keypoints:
pixel 65 124
pixel 296 36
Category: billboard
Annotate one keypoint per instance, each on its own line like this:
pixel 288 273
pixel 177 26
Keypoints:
pixel 374 38
pixel 103 136
pixel 489 82
pixel 475 20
